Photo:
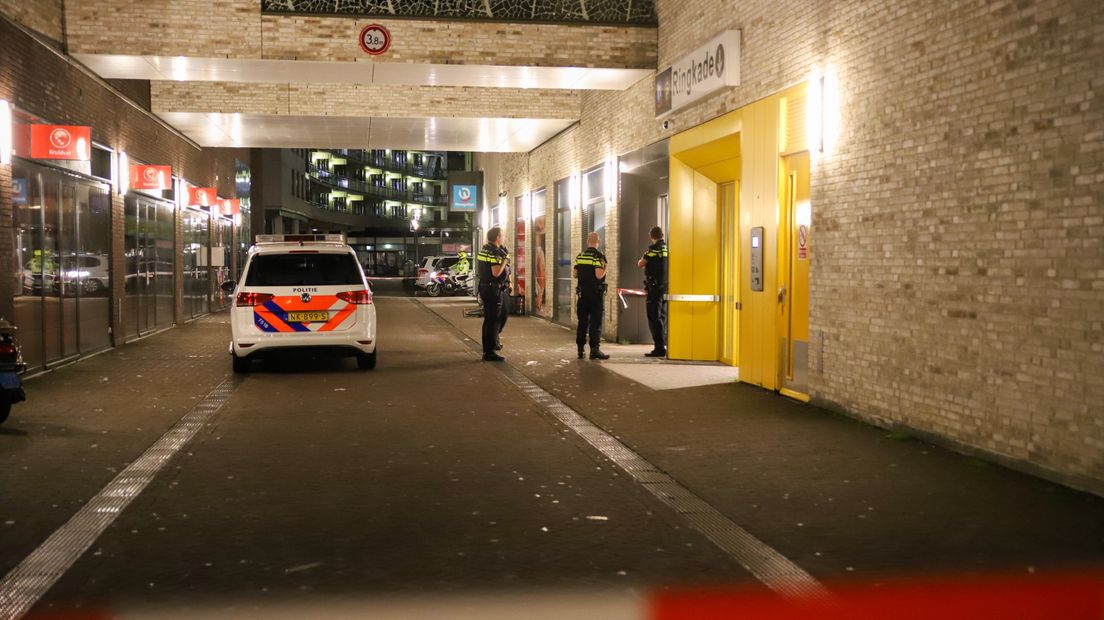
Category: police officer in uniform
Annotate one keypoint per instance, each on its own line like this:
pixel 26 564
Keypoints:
pixel 491 268
pixel 590 269
pixel 654 263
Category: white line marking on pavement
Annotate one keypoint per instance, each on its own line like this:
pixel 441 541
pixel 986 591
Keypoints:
pixel 22 588
pixel 767 565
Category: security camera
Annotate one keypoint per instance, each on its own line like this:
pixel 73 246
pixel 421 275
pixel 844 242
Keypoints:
pixel 502 194
pixel 666 124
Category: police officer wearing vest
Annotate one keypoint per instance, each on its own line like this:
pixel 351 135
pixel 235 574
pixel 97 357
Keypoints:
pixel 590 269
pixel 654 263
pixel 491 267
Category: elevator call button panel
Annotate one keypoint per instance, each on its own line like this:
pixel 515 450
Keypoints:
pixel 756 263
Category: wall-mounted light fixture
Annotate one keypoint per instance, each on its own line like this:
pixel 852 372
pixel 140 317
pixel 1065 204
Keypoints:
pixel 5 132
pixel 822 121
pixel 611 179
pixel 573 191
pixel 122 176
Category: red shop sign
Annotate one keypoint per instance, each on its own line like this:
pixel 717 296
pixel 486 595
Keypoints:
pixel 61 142
pixel 226 207
pixel 150 177
pixel 202 196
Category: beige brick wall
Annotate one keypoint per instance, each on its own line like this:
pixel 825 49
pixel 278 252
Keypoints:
pixel 42 16
pixel 958 232
pixel 236 29
pixel 364 100
pixel 463 42
pixel 201 28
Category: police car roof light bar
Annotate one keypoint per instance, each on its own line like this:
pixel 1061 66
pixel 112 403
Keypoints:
pixel 336 238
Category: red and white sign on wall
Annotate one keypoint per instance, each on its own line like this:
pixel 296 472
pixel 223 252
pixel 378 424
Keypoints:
pixel 150 177
pixel 802 242
pixel 375 39
pixel 226 207
pixel 202 196
pixel 69 142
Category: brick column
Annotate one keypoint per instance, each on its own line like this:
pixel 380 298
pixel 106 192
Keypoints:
pixel 178 265
pixel 7 245
pixel 118 268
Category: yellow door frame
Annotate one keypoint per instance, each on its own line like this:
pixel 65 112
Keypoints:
pixel 743 147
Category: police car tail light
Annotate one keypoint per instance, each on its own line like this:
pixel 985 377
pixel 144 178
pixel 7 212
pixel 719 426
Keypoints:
pixel 246 300
pixel 356 297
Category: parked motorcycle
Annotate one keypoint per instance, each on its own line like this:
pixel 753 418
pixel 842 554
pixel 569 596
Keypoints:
pixel 11 364
pixel 448 283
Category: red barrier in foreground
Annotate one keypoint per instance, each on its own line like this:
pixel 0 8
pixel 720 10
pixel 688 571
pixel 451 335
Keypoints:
pixel 1060 597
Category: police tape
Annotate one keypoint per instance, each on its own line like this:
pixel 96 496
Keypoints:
pixel 621 292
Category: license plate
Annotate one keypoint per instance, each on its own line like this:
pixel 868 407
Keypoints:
pixel 308 317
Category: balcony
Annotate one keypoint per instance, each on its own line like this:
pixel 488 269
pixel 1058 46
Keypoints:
pixel 329 179
pixel 434 173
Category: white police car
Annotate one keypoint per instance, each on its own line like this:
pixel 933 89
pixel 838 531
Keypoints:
pixel 302 293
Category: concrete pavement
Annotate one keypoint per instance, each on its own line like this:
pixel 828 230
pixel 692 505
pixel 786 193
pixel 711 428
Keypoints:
pixel 436 474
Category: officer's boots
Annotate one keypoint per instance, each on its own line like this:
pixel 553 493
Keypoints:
pixel 596 354
pixel 582 353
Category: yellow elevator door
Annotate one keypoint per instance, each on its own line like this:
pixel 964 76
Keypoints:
pixel 794 254
pixel 730 274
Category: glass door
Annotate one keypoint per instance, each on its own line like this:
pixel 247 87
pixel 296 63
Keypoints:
pixel 564 286
pixel 150 256
pixel 538 207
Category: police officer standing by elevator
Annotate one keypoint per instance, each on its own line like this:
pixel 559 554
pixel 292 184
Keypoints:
pixel 590 270
pixel 491 265
pixel 654 263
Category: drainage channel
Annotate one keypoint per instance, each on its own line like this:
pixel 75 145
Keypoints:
pixel 28 582
pixel 765 563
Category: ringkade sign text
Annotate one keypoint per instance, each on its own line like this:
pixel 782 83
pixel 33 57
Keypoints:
pixel 709 68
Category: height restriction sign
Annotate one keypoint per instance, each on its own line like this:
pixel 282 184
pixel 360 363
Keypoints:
pixel 375 39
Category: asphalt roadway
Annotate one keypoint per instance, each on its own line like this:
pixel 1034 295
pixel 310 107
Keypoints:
pixel 436 475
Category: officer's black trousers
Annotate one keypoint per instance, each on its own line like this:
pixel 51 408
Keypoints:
pixel 503 308
pixel 492 301
pixel 590 309
pixel 657 317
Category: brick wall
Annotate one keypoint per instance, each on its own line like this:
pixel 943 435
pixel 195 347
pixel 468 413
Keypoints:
pixel 7 244
pixel 236 29
pixel 42 16
pixel 364 100
pixel 958 232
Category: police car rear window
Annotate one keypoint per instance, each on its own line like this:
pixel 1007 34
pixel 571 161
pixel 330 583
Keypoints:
pixel 300 269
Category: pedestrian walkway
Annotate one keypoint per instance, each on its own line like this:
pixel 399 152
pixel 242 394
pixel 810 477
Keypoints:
pixel 840 498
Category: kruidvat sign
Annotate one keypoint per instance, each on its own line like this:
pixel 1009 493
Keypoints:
pixel 709 68
pixel 150 177
pixel 61 142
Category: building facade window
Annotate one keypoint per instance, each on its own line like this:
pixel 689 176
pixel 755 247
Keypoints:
pixel 62 245
pixel 150 263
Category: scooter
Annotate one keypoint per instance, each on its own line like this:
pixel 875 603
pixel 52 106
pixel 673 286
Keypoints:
pixel 447 283
pixel 11 364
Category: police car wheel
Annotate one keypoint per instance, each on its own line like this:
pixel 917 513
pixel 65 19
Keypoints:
pixel 366 361
pixel 241 364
